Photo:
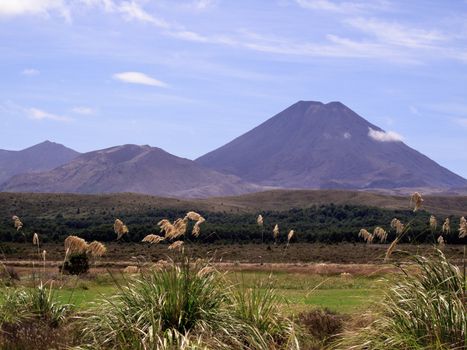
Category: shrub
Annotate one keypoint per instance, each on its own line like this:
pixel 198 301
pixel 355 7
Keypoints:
pixel 76 264
pixel 425 310
pixel 32 319
pixel 8 274
pixel 187 306
pixel 321 324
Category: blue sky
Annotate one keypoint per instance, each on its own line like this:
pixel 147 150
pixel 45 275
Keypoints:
pixel 190 75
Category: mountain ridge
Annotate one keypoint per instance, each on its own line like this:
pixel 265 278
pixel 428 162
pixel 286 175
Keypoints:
pixel 309 145
pixel 130 168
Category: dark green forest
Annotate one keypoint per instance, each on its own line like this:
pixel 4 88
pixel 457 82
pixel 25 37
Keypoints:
pixel 319 223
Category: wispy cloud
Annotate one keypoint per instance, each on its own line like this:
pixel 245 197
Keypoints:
pixel 201 5
pixel 376 39
pixel 30 72
pixel 131 10
pixel 83 110
pixel 384 136
pixel 394 33
pixel 138 78
pixel 345 7
pixel 39 114
pixel 12 8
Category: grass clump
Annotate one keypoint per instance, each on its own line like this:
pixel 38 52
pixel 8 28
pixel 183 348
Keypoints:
pixel 186 306
pixel 424 310
pixel 32 318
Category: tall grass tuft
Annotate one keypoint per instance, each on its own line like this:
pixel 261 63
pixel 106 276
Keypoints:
pixel 425 310
pixel 185 306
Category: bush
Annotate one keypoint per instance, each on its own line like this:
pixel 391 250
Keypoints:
pixel 77 264
pixel 32 319
pixel 185 306
pixel 425 310
pixel 322 324
pixel 8 274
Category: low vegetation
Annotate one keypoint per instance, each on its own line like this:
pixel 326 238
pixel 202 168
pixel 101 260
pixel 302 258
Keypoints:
pixel 424 310
pixel 190 304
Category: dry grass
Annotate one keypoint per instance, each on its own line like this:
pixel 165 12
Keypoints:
pixel 96 249
pixel 120 228
pixel 17 223
pixel 275 232
pixel 153 239
pixel 177 245
pixel 75 244
pixel 446 226
pixel 463 228
pixel 367 236
pixel 380 233
pixel 433 223
pixel 397 225
pixel 131 269
pixel 260 220
pixel 416 200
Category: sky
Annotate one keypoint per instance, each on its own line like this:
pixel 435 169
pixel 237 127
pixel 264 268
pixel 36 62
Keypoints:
pixel 190 75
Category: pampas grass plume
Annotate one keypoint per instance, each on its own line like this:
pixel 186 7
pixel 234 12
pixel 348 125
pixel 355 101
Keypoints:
pixel 120 228
pixel 176 245
pixel 74 244
pixel 153 239
pixel 97 249
pixel 417 201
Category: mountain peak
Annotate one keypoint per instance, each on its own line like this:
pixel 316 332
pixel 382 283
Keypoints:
pixel 46 155
pixel 315 145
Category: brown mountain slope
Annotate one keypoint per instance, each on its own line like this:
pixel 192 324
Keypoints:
pixel 131 168
pixel 44 156
pixel 316 145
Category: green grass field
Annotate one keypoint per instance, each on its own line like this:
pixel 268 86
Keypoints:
pixel 300 292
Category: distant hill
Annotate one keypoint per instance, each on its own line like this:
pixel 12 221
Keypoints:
pixel 32 204
pixel 316 145
pixel 44 156
pixel 131 168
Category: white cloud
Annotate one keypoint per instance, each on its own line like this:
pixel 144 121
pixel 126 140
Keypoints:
pixel 347 135
pixel 345 7
pixel 397 34
pixel 138 78
pixel 133 11
pixel 38 114
pixel 201 5
pixel 384 136
pixel 130 10
pixel 12 8
pixel 83 110
pixel 30 71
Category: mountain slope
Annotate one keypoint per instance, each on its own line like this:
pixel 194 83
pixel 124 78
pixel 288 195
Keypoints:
pixel 131 168
pixel 41 157
pixel 316 145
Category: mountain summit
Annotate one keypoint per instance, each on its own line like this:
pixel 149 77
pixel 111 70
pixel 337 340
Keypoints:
pixel 41 157
pixel 316 145
pixel 131 168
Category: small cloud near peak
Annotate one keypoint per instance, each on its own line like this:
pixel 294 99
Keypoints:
pixel 384 136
